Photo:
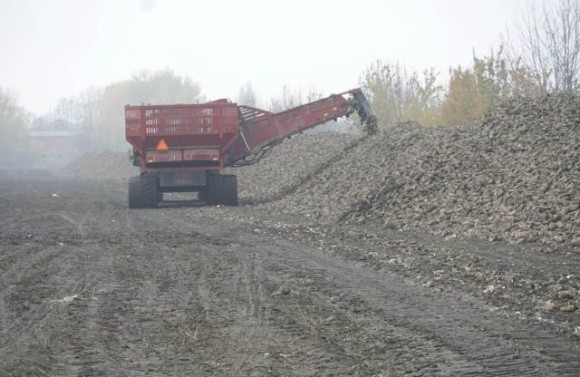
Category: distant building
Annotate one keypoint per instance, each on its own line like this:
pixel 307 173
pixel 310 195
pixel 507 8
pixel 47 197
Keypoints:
pixel 57 141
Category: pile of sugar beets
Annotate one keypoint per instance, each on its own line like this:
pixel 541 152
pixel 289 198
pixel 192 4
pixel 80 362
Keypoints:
pixel 514 175
pixel 102 165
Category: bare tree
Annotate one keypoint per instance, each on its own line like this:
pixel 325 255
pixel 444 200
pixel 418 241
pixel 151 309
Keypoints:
pixel 548 44
pixel 12 121
pixel 292 98
pixel 247 95
pixel 158 87
pixel 562 28
pixel 67 110
pixel 90 100
pixel 397 94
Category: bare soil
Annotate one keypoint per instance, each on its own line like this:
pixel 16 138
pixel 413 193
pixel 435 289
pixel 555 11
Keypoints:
pixel 90 288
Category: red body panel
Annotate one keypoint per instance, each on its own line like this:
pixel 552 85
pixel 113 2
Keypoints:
pixel 207 137
pixel 259 128
pixel 185 129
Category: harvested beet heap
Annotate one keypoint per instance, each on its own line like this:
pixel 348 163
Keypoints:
pixel 106 165
pixel 515 175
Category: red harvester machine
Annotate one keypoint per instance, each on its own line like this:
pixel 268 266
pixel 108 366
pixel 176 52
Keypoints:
pixel 184 148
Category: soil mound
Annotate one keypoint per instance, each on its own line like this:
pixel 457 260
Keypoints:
pixel 102 165
pixel 289 165
pixel 515 175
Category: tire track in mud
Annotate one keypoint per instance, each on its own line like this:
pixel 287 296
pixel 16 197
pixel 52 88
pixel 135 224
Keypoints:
pixel 69 277
pixel 99 315
pixel 118 310
pixel 232 308
pixel 101 332
pixel 495 272
pixel 346 334
pixel 79 225
pixel 458 324
pixel 254 329
pixel 53 280
pixel 248 330
pixel 325 349
pixel 23 273
pixel 523 283
pixel 78 268
pixel 493 344
pixel 33 300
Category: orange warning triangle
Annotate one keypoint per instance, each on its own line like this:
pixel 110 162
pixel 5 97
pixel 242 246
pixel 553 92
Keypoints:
pixel 162 146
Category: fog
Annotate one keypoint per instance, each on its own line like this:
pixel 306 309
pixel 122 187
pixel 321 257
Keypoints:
pixel 64 49
pixel 54 49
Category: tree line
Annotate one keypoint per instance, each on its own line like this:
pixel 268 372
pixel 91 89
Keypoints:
pixel 541 56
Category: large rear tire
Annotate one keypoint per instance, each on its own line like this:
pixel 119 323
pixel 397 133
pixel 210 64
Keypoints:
pixel 144 191
pixel 222 189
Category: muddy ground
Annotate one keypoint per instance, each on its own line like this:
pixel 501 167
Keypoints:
pixel 90 288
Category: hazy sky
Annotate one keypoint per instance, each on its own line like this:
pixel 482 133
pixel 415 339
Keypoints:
pixel 56 48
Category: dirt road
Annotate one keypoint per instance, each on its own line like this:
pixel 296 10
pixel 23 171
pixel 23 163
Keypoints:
pixel 88 287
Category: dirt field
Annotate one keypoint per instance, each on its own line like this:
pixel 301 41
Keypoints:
pixel 88 288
